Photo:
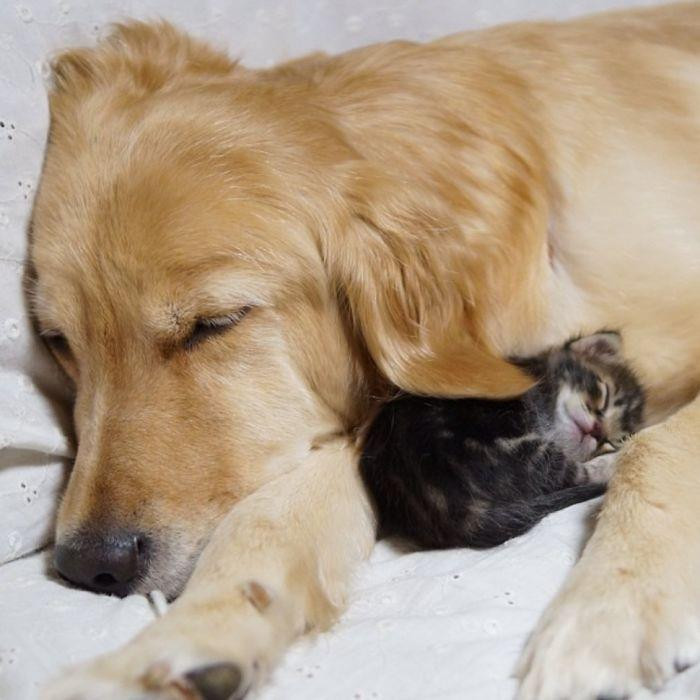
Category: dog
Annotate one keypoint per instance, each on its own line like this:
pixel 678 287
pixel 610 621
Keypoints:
pixel 233 266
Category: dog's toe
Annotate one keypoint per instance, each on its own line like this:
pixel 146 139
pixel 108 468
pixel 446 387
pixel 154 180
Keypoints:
pixel 222 681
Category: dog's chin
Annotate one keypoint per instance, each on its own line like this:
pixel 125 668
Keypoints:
pixel 168 572
pixel 170 583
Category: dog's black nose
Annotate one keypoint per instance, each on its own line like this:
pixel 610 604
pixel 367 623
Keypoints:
pixel 109 564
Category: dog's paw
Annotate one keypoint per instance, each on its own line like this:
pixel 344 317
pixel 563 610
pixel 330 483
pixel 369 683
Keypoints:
pixel 199 650
pixel 180 657
pixel 608 641
pixel 166 678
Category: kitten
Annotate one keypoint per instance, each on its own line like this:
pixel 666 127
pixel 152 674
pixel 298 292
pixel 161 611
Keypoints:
pixel 476 472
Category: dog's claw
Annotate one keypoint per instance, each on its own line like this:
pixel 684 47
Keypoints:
pixel 681 666
pixel 220 681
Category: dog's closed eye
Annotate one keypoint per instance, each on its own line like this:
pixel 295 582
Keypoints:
pixel 61 350
pixel 56 341
pixel 204 328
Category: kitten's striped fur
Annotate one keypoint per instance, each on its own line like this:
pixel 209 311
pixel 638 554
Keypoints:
pixel 476 472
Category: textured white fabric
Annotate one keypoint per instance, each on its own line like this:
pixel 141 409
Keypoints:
pixel 421 626
pixel 414 630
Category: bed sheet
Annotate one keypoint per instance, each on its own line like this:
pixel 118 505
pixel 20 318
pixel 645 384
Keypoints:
pixel 422 625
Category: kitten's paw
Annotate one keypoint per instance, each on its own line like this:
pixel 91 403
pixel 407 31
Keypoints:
pixel 607 642
pixel 600 469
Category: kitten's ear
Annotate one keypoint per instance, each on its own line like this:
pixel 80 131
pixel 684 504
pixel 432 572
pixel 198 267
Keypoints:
pixel 604 345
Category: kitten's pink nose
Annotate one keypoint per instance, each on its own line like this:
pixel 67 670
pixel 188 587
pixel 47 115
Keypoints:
pixel 587 424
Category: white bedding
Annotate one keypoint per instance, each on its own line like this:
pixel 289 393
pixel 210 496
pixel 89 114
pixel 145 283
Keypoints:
pixel 420 625
pixel 431 625
pixel 427 625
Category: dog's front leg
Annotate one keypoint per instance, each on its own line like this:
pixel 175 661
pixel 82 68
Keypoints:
pixel 278 565
pixel 629 615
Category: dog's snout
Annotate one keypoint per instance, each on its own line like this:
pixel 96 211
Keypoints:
pixel 111 563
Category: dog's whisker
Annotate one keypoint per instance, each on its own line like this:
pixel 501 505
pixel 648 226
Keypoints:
pixel 158 602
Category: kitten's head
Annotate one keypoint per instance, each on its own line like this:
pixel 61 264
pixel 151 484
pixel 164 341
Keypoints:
pixel 598 399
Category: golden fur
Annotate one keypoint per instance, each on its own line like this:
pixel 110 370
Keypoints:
pixel 402 215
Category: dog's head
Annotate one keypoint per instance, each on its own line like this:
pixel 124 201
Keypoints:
pixel 227 280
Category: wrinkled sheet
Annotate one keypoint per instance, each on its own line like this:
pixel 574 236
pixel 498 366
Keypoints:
pixel 423 625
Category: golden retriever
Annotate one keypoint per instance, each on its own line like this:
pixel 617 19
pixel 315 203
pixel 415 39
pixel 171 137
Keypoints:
pixel 233 265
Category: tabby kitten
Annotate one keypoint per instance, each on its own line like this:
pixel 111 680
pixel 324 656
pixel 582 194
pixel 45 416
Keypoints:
pixel 476 472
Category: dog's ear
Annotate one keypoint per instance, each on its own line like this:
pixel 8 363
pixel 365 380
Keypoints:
pixel 148 55
pixel 412 286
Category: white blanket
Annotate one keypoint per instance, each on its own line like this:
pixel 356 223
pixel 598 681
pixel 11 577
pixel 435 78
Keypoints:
pixel 445 625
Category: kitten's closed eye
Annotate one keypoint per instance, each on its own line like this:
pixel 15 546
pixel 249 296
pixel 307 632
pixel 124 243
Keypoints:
pixel 604 396
pixel 599 403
